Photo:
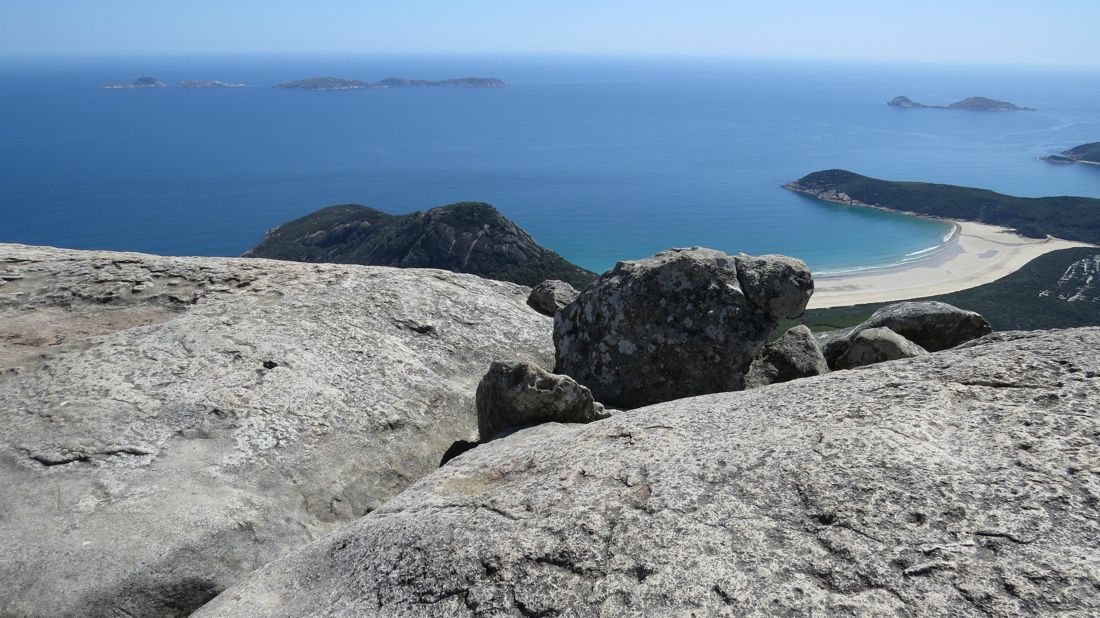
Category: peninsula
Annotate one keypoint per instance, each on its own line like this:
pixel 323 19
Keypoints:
pixel 336 83
pixel 468 237
pixel 1085 153
pixel 994 235
pixel 141 82
pixel 973 104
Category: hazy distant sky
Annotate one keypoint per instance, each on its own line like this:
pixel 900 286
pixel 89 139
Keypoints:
pixel 1033 32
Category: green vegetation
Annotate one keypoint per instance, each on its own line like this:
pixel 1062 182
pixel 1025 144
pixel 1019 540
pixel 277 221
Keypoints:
pixel 1085 152
pixel 1071 218
pixel 469 237
pixel 1010 303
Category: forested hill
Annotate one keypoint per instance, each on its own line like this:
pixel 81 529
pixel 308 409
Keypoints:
pixel 468 237
pixel 1070 218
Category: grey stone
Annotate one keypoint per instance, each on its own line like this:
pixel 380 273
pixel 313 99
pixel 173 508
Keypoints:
pixel 961 483
pixel 170 424
pixel 876 345
pixel 516 395
pixel 794 355
pixel 932 325
pixel 551 295
pixel 675 324
pixel 778 284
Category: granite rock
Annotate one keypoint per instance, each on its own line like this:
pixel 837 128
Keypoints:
pixel 551 295
pixel 514 395
pixel 961 483
pixel 795 355
pixel 170 424
pixel 876 345
pixel 680 323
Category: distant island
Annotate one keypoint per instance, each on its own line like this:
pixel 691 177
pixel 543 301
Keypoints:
pixel 336 83
pixel 207 83
pixel 973 104
pixel 468 237
pixel 1069 218
pixel 141 82
pixel 1085 153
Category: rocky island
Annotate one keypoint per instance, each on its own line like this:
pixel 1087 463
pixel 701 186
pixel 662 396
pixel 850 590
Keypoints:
pixel 141 82
pixel 1065 217
pixel 469 237
pixel 335 83
pixel 1085 153
pixel 976 104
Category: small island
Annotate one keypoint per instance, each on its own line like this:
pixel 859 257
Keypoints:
pixel 206 83
pixel 972 104
pixel 141 82
pixel 336 83
pixel 1085 153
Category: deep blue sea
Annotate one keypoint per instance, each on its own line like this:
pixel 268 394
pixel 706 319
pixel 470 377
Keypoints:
pixel 600 159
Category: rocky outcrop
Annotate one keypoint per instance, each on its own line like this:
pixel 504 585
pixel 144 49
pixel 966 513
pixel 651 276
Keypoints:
pixel 469 237
pixel 795 355
pixel 876 345
pixel 549 296
pixel 961 483
pixel 170 424
pixel 517 395
pixel 1080 283
pixel 932 325
pixel 683 322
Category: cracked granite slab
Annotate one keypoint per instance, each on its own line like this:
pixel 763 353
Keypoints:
pixel 169 424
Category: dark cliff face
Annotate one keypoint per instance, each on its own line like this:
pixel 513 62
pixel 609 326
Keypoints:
pixel 468 237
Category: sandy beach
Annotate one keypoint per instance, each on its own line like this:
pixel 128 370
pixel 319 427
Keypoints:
pixel 976 255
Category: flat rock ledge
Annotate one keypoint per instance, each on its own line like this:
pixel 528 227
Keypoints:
pixel 961 483
pixel 170 424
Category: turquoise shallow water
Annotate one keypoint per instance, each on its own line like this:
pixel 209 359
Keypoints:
pixel 599 159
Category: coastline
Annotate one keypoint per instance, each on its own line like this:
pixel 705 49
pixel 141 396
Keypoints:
pixel 975 255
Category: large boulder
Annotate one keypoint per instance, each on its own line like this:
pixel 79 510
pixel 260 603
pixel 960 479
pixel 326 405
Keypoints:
pixel 795 355
pixel 170 424
pixel 876 345
pixel 932 325
pixel 954 484
pixel 551 295
pixel 514 395
pixel 683 322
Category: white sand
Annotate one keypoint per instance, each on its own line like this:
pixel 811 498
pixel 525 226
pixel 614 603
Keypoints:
pixel 978 254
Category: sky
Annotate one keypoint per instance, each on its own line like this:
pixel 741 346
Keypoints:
pixel 1030 32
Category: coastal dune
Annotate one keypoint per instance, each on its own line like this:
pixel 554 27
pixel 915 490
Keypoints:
pixel 975 255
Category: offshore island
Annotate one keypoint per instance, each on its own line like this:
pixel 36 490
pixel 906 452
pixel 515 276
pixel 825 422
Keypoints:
pixel 992 235
pixel 970 104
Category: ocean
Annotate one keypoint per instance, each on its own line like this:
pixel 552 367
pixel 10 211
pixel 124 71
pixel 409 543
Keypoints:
pixel 601 159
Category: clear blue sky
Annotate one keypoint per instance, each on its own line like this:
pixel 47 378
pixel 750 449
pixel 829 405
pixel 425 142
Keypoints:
pixel 1034 32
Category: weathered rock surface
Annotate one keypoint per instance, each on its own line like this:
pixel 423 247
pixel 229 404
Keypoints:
pixel 795 355
pixel 876 345
pixel 932 325
pixel 514 395
pixel 962 483
pixel 169 424
pixel 683 322
pixel 551 295
pixel 1080 283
